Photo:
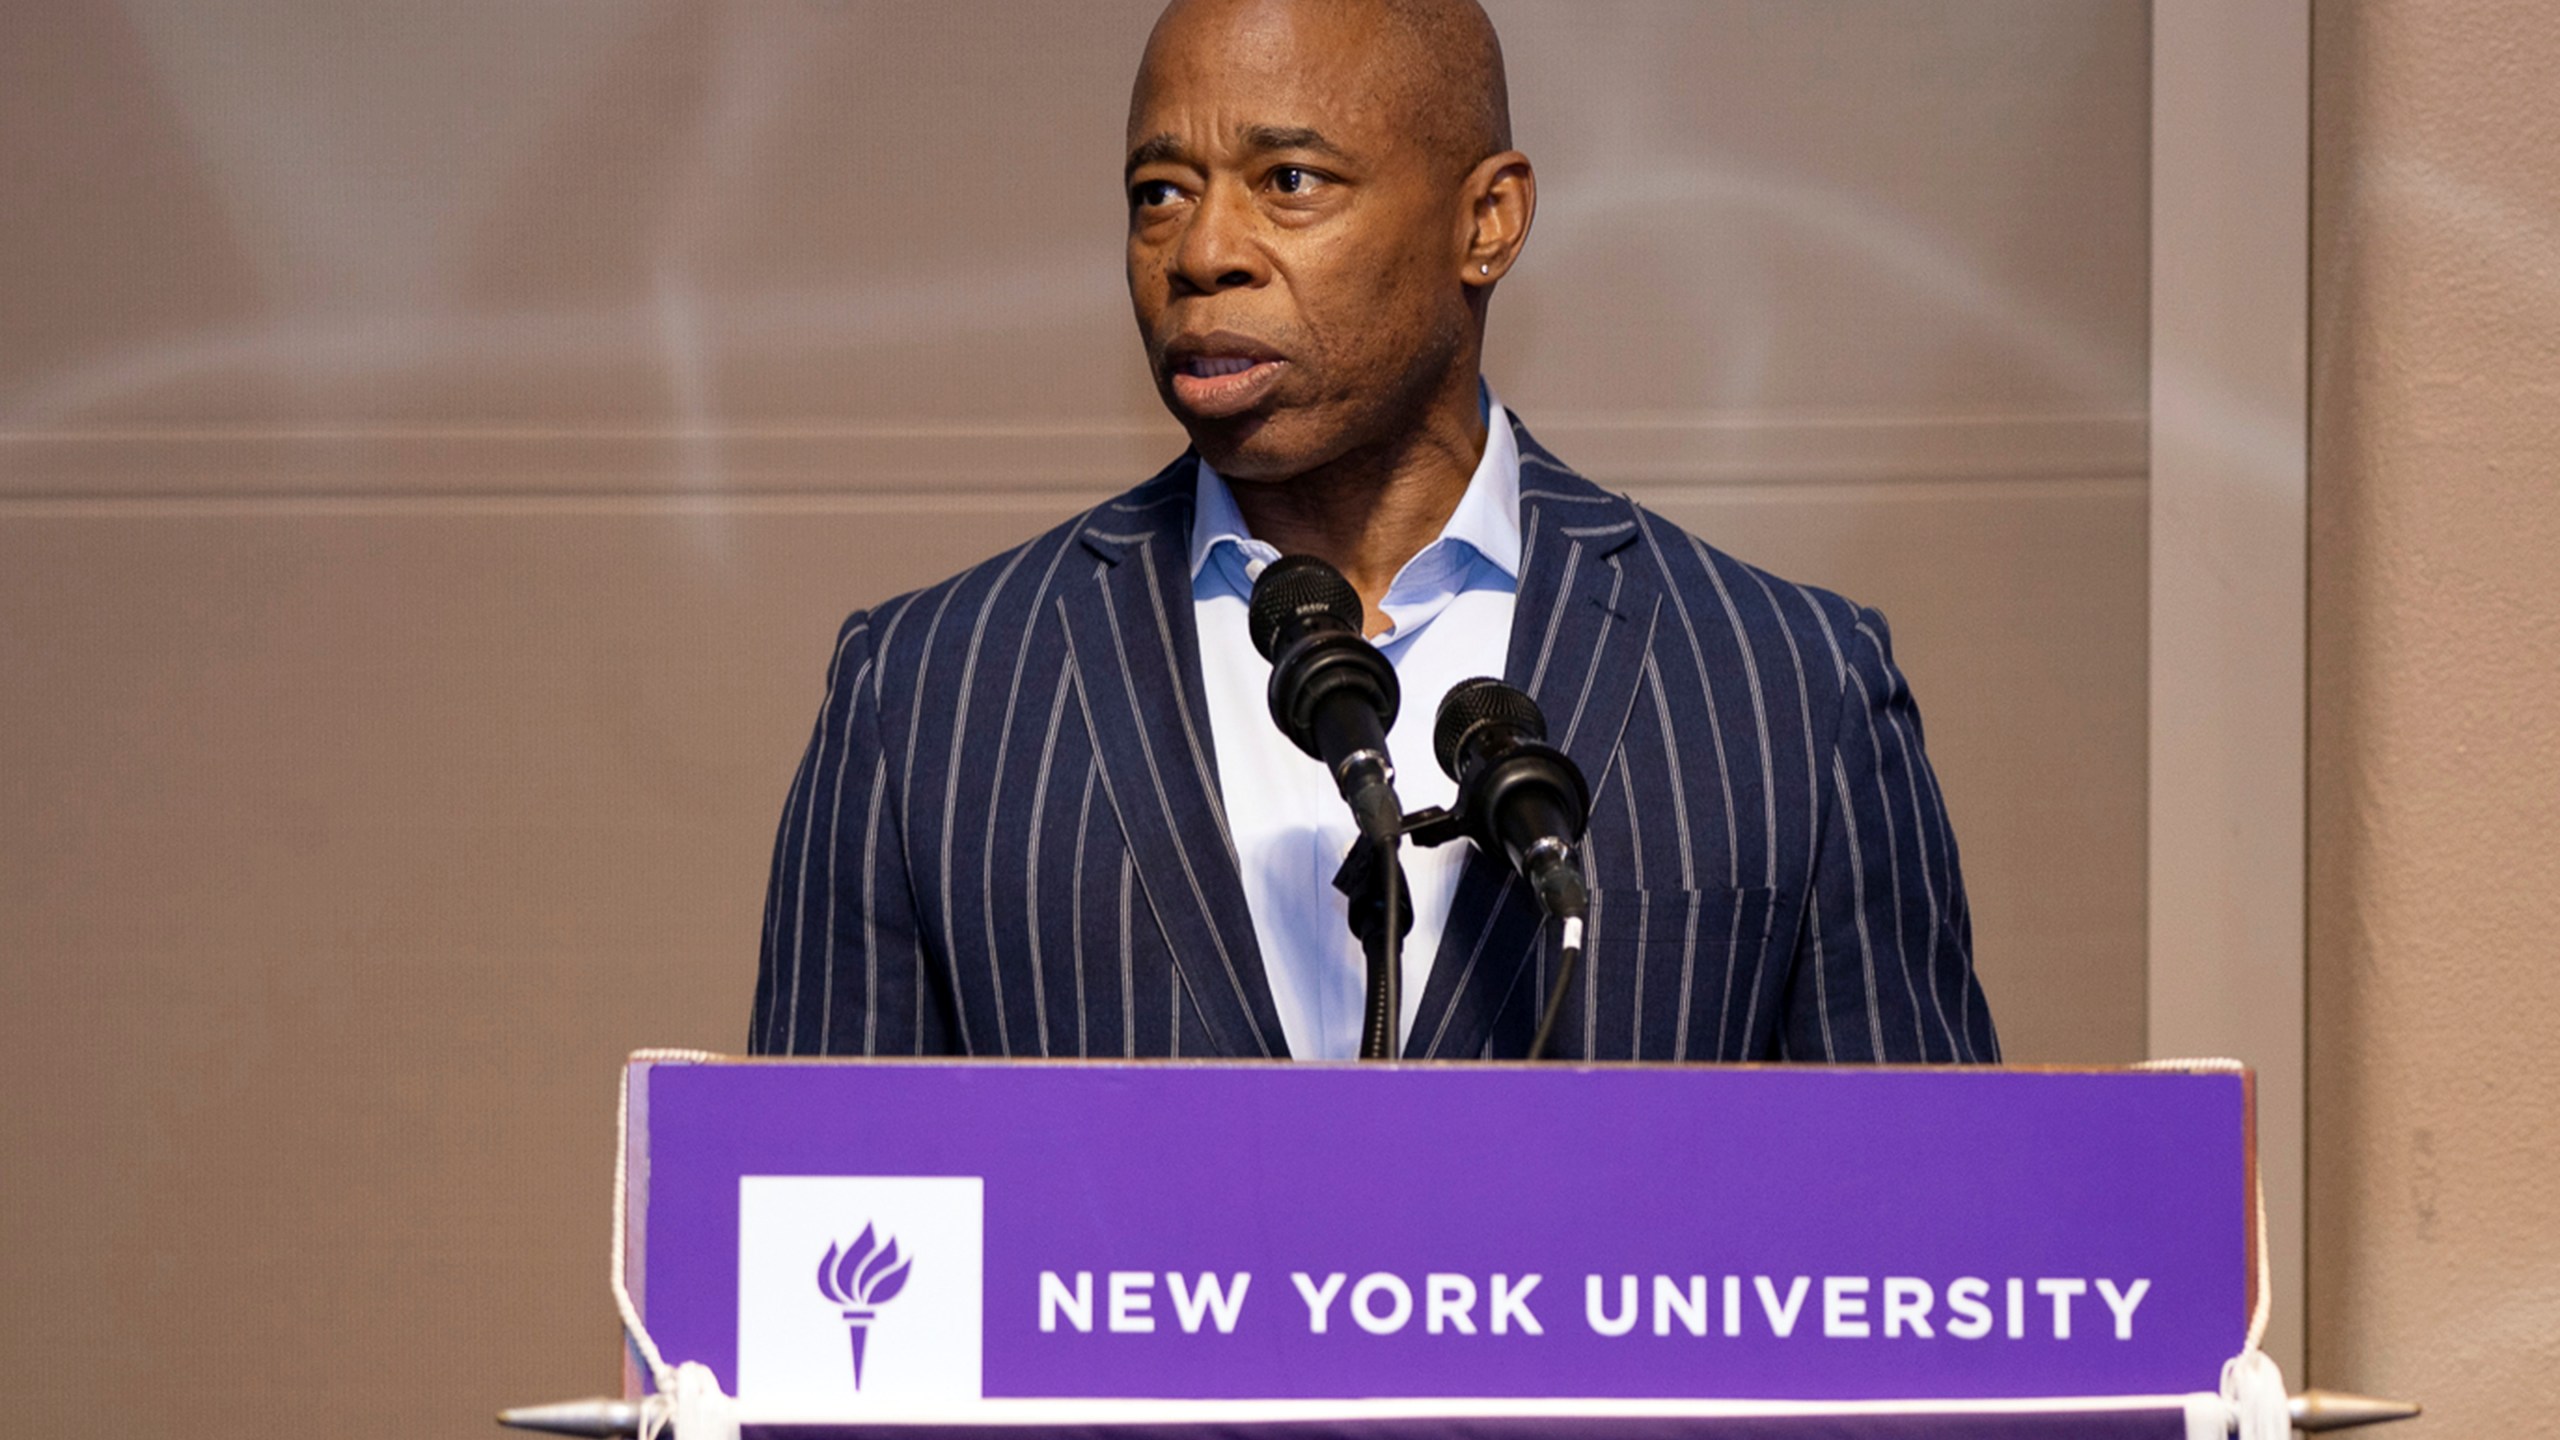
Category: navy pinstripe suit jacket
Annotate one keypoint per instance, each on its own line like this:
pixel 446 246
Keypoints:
pixel 1006 837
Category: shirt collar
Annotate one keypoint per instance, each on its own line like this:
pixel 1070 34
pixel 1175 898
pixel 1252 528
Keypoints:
pixel 1487 520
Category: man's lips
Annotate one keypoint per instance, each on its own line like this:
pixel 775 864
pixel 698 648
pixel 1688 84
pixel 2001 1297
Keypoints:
pixel 1216 389
pixel 1219 376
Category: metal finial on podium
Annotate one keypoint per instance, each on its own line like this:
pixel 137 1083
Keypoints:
pixel 599 1418
pixel 2318 1410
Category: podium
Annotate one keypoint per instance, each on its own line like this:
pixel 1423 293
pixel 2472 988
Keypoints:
pixel 942 1249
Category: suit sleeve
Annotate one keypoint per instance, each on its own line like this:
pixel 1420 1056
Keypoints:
pixel 843 970
pixel 1884 966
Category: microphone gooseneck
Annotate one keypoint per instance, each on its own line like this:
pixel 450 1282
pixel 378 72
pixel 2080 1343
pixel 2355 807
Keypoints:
pixel 1523 799
pixel 1335 696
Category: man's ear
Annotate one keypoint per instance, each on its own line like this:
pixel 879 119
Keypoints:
pixel 1502 199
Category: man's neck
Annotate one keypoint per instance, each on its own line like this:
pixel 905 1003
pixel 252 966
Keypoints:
pixel 1370 511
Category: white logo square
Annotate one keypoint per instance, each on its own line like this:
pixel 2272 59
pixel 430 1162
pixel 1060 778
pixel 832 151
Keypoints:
pixel 886 1272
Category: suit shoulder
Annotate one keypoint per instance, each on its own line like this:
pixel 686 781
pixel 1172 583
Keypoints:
pixel 1004 592
pixel 1729 607
pixel 1764 605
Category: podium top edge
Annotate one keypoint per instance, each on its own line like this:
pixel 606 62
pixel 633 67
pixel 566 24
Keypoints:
pixel 641 1059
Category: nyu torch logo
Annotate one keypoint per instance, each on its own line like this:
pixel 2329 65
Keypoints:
pixel 860 1278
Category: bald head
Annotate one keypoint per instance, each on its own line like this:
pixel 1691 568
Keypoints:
pixel 1455 61
pixel 1438 63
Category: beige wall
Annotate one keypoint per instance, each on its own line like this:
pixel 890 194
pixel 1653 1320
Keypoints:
pixel 436 444
pixel 2435 761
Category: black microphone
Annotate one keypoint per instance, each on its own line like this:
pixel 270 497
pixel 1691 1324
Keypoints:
pixel 1517 795
pixel 1523 798
pixel 1331 691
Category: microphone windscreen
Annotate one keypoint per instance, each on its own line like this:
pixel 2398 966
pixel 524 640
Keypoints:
pixel 1295 588
pixel 1471 705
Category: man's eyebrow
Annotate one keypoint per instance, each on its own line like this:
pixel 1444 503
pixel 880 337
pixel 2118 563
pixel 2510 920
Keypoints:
pixel 1291 137
pixel 1153 150
pixel 1162 147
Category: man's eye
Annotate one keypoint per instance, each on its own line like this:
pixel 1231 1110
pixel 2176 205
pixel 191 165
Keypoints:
pixel 1149 194
pixel 1291 180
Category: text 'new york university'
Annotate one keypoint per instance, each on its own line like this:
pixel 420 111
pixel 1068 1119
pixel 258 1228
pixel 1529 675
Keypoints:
pixel 1831 1307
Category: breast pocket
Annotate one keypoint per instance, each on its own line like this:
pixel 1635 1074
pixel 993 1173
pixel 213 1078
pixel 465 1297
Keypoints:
pixel 1676 974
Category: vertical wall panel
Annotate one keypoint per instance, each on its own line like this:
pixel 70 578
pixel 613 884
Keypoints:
pixel 2229 447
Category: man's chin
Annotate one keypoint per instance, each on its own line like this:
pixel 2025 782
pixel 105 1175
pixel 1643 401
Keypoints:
pixel 1256 446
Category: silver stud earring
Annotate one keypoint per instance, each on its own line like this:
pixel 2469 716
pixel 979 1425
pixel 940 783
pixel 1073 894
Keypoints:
pixel 1486 268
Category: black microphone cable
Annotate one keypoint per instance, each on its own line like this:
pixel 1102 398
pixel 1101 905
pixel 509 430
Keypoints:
pixel 1568 954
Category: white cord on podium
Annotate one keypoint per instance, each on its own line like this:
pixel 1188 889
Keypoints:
pixel 2253 1402
pixel 687 1396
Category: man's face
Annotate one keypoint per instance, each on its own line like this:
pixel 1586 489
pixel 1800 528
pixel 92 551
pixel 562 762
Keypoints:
pixel 1293 246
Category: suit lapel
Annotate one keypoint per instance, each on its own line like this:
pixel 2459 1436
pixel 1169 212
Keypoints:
pixel 1579 635
pixel 1137 665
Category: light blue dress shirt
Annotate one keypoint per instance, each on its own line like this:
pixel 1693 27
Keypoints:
pixel 1450 620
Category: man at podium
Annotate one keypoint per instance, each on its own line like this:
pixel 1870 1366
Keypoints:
pixel 1046 812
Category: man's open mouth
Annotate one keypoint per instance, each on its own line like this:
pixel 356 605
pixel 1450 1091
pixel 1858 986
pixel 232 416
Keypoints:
pixel 1214 367
pixel 1222 376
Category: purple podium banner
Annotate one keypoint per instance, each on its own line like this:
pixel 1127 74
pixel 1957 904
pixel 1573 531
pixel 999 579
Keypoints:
pixel 975 1244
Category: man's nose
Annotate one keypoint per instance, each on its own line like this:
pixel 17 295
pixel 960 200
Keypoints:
pixel 1217 251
